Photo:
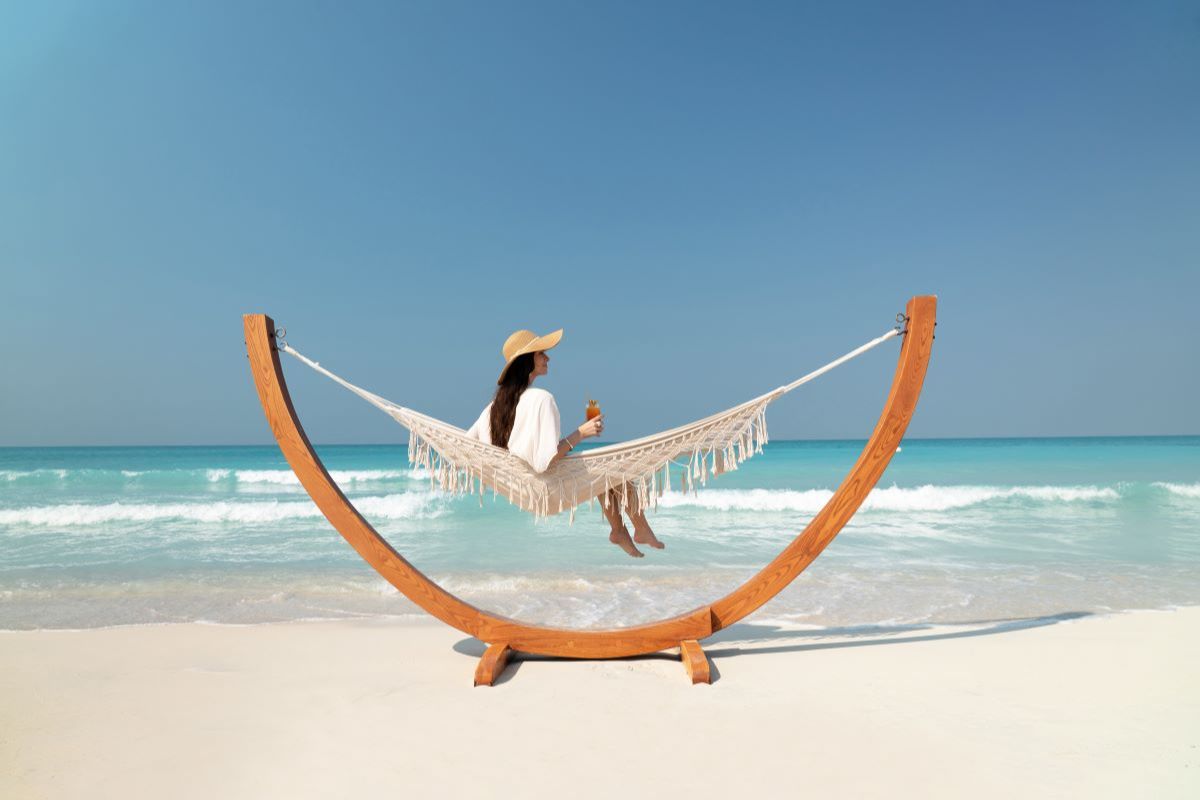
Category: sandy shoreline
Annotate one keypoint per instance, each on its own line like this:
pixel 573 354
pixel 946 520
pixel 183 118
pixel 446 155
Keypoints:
pixel 1091 706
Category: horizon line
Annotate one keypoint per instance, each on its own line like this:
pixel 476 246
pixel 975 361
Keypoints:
pixel 780 440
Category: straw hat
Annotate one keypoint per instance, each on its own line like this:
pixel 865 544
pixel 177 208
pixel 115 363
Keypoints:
pixel 522 342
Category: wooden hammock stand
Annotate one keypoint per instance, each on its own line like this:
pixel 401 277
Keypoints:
pixel 506 636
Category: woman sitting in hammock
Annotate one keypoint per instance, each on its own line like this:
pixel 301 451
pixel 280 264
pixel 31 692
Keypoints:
pixel 525 420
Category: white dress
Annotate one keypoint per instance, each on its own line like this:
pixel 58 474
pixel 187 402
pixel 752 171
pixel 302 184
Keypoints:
pixel 536 430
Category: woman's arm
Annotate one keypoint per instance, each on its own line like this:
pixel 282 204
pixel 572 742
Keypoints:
pixel 587 430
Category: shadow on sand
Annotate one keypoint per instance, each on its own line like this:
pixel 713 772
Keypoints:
pixel 748 638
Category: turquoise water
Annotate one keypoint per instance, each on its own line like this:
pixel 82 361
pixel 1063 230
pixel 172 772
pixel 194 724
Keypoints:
pixel 957 530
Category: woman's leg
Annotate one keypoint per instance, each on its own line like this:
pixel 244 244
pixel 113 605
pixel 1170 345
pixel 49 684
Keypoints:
pixel 619 535
pixel 642 533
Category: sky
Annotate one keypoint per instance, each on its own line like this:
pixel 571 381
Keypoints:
pixel 711 198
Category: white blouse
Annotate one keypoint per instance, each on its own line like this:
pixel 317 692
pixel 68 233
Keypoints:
pixel 536 430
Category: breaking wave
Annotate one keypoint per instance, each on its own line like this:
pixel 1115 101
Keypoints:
pixel 284 477
pixel 1190 490
pixel 27 474
pixel 288 478
pixel 393 506
pixel 920 498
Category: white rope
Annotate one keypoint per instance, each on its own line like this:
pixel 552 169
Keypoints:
pixel 370 397
pixel 837 362
pixel 771 395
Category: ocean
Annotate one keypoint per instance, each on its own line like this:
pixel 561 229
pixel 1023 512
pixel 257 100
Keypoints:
pixel 957 531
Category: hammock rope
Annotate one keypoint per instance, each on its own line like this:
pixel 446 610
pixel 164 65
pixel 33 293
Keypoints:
pixel 638 470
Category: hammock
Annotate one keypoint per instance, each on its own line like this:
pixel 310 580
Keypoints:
pixel 639 470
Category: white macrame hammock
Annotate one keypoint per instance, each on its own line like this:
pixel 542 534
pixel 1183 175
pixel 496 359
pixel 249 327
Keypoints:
pixel 639 470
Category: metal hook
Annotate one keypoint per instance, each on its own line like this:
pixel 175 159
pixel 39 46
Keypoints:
pixel 281 337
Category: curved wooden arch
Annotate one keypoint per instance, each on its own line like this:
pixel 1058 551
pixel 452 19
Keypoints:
pixel 506 635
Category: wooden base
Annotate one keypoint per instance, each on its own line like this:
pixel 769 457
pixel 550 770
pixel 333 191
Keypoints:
pixel 695 661
pixel 494 660
pixel 496 657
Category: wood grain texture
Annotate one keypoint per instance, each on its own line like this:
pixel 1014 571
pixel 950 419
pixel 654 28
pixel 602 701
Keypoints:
pixel 615 642
pixel 695 661
pixel 492 664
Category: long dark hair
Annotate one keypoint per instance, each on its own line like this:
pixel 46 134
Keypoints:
pixel 504 404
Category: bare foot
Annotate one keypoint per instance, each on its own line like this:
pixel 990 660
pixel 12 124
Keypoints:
pixel 647 537
pixel 620 537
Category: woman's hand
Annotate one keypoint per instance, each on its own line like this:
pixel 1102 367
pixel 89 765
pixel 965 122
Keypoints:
pixel 592 428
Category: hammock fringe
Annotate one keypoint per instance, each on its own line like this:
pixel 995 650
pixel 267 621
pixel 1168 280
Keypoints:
pixel 548 493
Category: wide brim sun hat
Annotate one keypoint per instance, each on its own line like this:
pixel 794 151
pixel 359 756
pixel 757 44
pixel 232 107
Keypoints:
pixel 521 342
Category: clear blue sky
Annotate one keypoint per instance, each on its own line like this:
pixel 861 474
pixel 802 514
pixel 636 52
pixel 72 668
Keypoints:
pixel 710 198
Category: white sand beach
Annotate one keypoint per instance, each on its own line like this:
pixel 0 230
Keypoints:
pixel 1094 706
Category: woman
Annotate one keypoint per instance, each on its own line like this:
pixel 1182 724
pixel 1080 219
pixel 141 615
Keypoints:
pixel 525 420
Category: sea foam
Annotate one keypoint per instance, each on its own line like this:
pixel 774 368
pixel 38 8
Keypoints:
pixel 895 498
pixel 1189 490
pixel 285 477
pixel 19 474
pixel 394 506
